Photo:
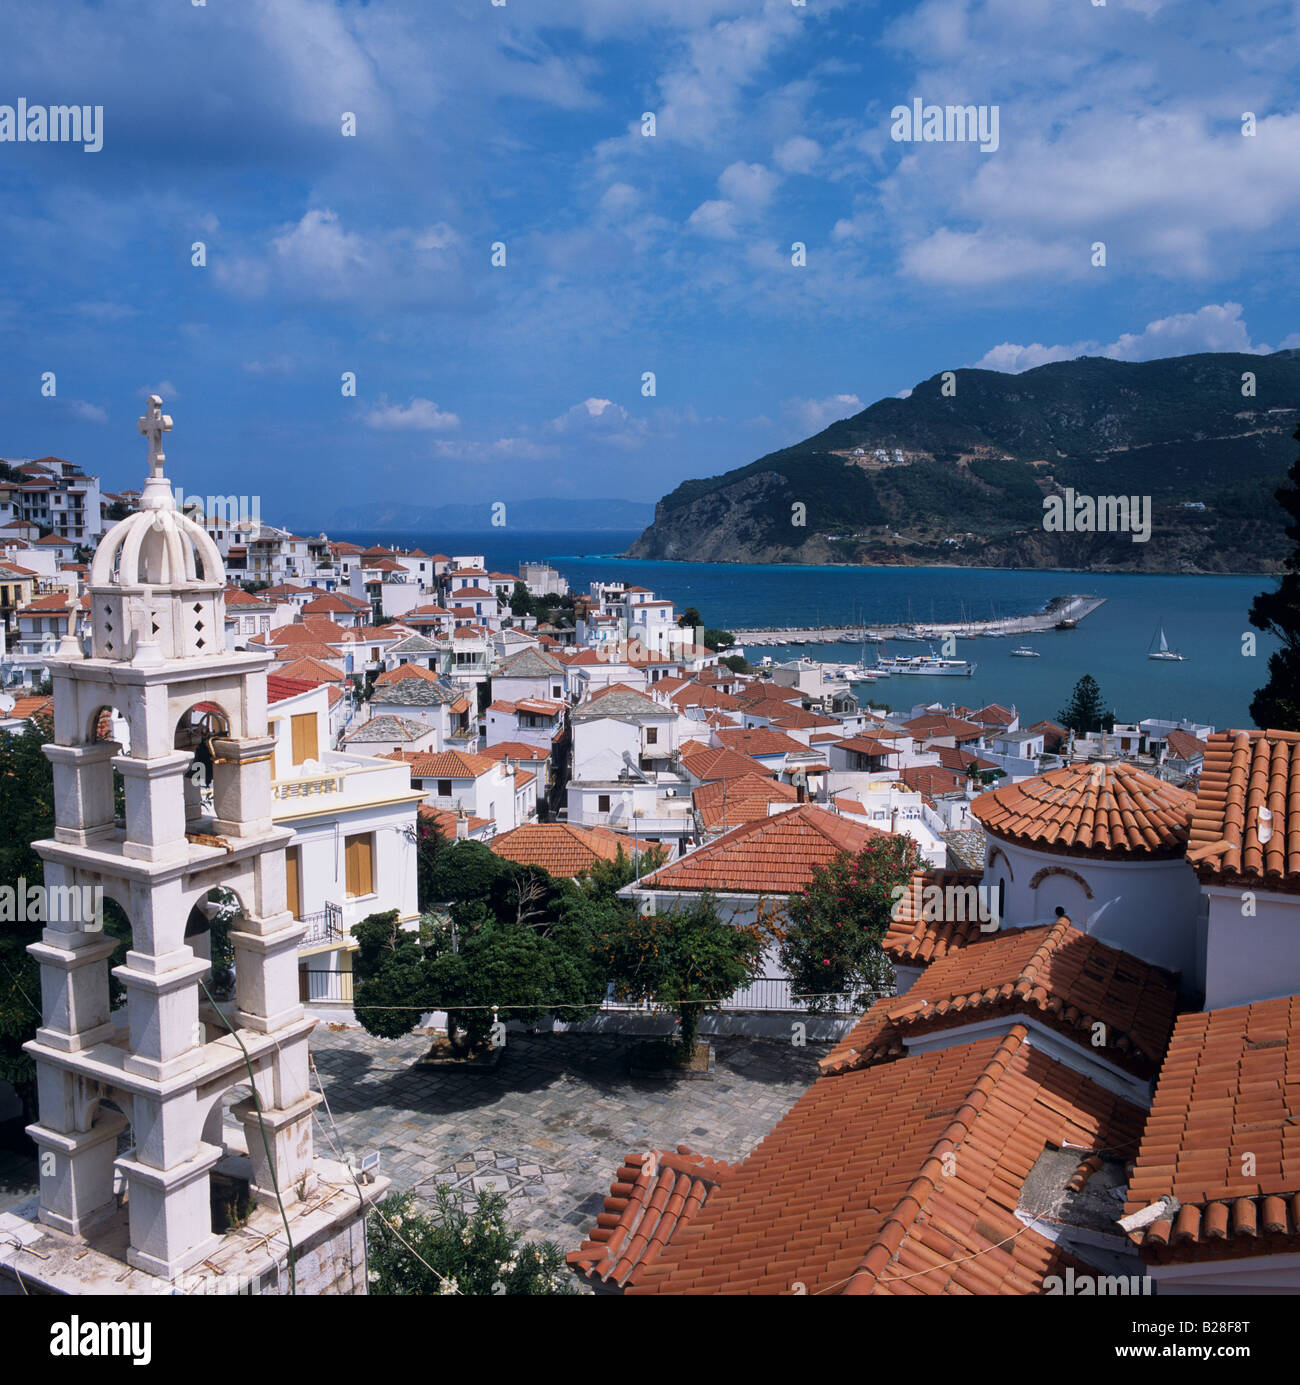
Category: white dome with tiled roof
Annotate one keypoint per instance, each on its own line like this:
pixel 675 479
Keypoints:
pixel 157 579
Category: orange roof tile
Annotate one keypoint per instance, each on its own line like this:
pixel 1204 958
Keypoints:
pixel 1102 809
pixel 450 764
pixel 914 939
pixel 760 740
pixel 746 798
pixel 1246 822
pixel 311 670
pixel 559 848
pixel 651 1197
pixel 1228 1087
pixel 717 762
pixel 773 855
pixel 1056 974
pixel 848 1194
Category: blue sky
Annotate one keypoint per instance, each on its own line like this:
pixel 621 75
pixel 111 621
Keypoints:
pixel 522 123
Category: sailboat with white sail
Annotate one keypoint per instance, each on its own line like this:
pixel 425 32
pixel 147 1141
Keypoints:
pixel 1159 648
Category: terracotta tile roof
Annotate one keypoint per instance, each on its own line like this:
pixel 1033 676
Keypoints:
pixel 797 719
pixel 848 1194
pixel 514 750
pixel 695 695
pixel 652 1196
pixel 1184 746
pixel 444 819
pixel 746 798
pixel 955 758
pixel 760 740
pixel 941 724
pixel 1055 974
pixel 306 649
pixel 1228 1087
pixel 933 780
pixel 1102 809
pixel 1246 775
pixel 25 707
pixel 912 939
pixel 717 762
pixel 773 855
pixel 404 671
pixel 450 764
pixel 868 745
pixel 310 670
pixel 1053 733
pixel 315 630
pixel 559 848
pixel 994 715
pixel 279 687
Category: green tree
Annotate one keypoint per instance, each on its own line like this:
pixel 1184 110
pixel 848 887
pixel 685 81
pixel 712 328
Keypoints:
pixel 521 601
pixel 454 1251
pixel 689 960
pixel 26 815
pixel 737 663
pixel 1086 711
pixel 690 618
pixel 1276 706
pixel 835 927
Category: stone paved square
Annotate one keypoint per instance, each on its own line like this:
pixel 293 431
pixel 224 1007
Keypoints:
pixel 551 1123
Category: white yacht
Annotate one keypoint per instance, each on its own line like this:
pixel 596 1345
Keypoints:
pixel 1159 648
pixel 1024 652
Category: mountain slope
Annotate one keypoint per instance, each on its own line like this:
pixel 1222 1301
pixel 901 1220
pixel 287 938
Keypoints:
pixel 961 478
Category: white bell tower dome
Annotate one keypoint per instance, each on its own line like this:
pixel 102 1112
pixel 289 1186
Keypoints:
pixel 157 579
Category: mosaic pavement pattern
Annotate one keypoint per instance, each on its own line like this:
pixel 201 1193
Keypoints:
pixel 551 1124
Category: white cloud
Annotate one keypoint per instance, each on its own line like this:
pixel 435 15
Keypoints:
pixel 980 258
pixel 1215 327
pixel 797 155
pixel 87 413
pixel 748 185
pixel 714 218
pixel 317 259
pixel 420 415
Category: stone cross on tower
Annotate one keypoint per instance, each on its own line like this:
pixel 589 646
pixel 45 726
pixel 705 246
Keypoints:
pixel 153 425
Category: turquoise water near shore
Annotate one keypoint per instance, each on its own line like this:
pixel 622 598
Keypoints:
pixel 1204 617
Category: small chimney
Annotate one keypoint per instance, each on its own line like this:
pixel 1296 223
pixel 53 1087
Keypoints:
pixel 462 823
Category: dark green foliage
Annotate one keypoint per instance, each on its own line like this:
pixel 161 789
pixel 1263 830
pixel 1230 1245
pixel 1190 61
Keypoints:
pixel 835 927
pixel 1276 705
pixel 451 1251
pixel 1177 430
pixel 689 960
pixel 1086 711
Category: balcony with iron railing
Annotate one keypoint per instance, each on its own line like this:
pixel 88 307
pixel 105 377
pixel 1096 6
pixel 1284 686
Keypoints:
pixel 326 926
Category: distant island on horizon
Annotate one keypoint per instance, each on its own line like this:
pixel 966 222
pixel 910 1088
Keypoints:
pixel 957 473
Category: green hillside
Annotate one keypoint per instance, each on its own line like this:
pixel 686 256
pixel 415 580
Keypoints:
pixel 977 462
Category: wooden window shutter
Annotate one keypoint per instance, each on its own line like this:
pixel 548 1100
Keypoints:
pixel 359 865
pixel 293 880
pixel 304 737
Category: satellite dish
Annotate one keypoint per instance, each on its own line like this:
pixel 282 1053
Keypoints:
pixel 7 703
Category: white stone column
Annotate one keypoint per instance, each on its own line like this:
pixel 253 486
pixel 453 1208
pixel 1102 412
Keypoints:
pixel 155 805
pixel 241 786
pixel 83 791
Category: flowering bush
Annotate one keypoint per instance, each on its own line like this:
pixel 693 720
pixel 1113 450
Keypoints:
pixel 689 960
pixel 834 928
pixel 475 1252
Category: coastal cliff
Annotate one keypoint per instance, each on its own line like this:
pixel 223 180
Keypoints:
pixel 960 477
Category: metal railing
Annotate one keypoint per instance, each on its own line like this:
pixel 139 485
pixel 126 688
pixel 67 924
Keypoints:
pixel 316 986
pixel 773 995
pixel 325 926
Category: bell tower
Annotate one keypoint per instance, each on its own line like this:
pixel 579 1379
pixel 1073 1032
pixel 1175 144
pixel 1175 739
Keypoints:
pixel 188 825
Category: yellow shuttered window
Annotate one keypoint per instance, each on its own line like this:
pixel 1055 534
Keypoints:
pixel 360 869
pixel 293 880
pixel 304 737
